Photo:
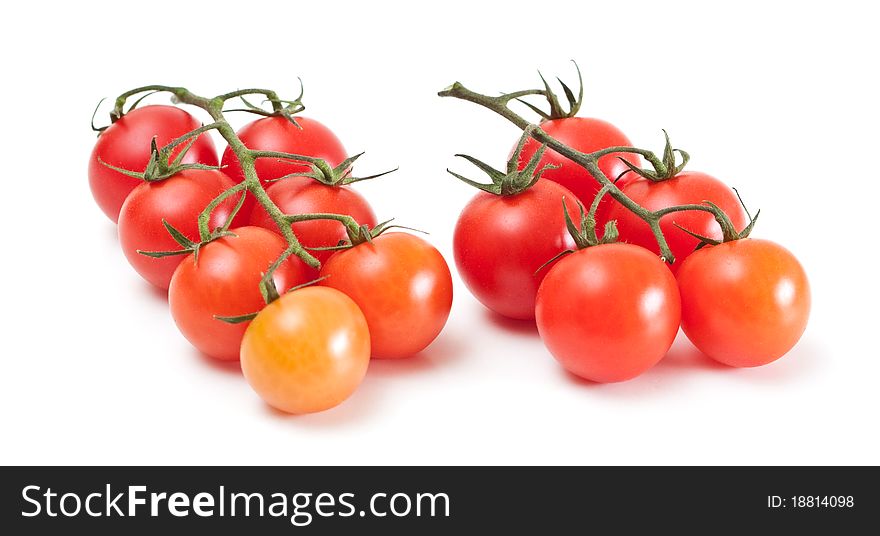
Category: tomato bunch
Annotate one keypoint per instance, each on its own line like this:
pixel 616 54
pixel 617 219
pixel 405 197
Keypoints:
pixel 270 258
pixel 660 248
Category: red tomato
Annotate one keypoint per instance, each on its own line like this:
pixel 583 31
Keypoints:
pixel 126 144
pixel 225 282
pixel 279 134
pixel 307 351
pixel 501 241
pixel 586 135
pixel 689 187
pixel 300 195
pixel 608 313
pixel 744 303
pixel 403 286
pixel 179 200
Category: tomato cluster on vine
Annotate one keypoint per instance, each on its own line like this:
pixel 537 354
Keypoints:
pixel 271 257
pixel 659 249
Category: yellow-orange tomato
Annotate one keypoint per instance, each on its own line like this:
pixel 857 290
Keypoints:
pixel 307 351
pixel 403 286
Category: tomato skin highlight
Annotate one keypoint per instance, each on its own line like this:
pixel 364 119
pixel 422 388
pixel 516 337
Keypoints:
pixel 500 242
pixel 745 303
pixel 307 351
pixel 608 313
pixel 302 195
pixel 403 286
pixel 689 187
pixel 278 134
pixel 179 200
pixel 225 282
pixel 587 135
pixel 126 144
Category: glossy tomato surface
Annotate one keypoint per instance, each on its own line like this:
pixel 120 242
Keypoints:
pixel 225 282
pixel 178 200
pixel 301 195
pixel 608 313
pixel 279 134
pixel 403 286
pixel 307 351
pixel 500 242
pixel 744 303
pixel 586 135
pixel 689 187
pixel 126 144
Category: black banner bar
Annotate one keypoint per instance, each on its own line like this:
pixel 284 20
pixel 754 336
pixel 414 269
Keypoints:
pixel 435 500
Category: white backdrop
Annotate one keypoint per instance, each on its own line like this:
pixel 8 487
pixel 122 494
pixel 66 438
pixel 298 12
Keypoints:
pixel 777 99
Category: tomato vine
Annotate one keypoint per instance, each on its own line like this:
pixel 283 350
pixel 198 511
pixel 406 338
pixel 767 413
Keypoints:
pixel 247 157
pixel 663 167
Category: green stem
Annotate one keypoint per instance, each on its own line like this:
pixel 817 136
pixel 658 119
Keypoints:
pixel 588 161
pixel 205 215
pixel 246 158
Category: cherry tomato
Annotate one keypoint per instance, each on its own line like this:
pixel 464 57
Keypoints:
pixel 300 195
pixel 307 351
pixel 178 200
pixel 744 303
pixel 311 138
pixel 608 313
pixel 403 286
pixel 126 144
pixel 689 187
pixel 501 241
pixel 225 282
pixel 586 135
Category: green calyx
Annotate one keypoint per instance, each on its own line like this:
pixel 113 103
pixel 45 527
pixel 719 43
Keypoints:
pixel 664 169
pixel 512 181
pixel 321 171
pixel 584 232
pixel 728 231
pixel 557 111
pixel 360 234
pixel 160 166
pixel 280 107
pixel 238 319
pixel 188 246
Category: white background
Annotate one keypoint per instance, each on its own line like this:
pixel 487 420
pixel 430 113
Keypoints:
pixel 778 99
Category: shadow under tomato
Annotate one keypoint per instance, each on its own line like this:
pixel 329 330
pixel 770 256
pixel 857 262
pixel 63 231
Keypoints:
pixel 155 292
pixel 224 367
pixel 523 327
pixel 684 355
pixel 445 350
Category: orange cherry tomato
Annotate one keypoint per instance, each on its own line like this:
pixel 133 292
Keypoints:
pixel 307 351
pixel 403 286
pixel 744 303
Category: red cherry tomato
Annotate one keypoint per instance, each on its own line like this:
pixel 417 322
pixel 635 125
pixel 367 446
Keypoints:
pixel 744 303
pixel 225 282
pixel 689 187
pixel 306 351
pixel 501 241
pixel 300 195
pixel 178 200
pixel 126 144
pixel 586 135
pixel 608 313
pixel 311 138
pixel 402 285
